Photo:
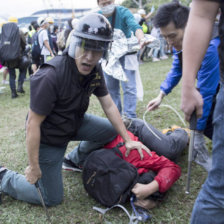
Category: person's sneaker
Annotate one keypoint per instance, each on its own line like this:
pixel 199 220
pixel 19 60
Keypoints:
pixel 155 59
pixel 174 127
pixel 167 131
pixel 164 57
pixel 171 129
pixel 2 172
pixel 5 82
pixel 201 157
pixel 69 165
pixel 127 121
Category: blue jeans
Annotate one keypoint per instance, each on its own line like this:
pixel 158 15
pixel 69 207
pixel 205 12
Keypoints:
pixel 51 186
pixel 96 132
pixel 12 77
pixel 209 205
pixel 129 91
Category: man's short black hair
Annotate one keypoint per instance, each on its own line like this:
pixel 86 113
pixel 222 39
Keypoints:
pixel 171 12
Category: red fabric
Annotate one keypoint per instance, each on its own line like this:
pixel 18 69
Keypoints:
pixel 167 171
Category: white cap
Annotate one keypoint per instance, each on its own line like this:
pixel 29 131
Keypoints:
pixel 41 21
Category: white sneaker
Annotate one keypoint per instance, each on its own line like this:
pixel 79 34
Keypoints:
pixel 5 82
pixel 164 57
pixel 155 59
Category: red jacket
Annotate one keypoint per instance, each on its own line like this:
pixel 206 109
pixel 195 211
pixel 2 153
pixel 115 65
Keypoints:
pixel 167 171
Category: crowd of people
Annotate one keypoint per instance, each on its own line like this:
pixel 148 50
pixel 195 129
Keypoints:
pixel 79 61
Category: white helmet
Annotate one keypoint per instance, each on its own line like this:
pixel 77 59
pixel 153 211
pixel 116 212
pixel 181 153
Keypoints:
pixel 74 22
pixel 141 12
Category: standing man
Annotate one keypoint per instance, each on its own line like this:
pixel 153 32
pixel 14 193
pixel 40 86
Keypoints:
pixel 59 99
pixel 171 19
pixel 43 38
pixel 209 205
pixel 121 18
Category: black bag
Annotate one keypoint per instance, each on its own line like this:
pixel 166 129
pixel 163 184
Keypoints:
pixel 10 45
pixel 108 178
pixel 36 50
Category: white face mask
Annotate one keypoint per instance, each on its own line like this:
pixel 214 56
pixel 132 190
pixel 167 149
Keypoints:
pixel 106 10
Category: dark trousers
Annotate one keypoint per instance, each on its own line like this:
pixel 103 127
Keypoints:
pixel 169 146
pixel 12 78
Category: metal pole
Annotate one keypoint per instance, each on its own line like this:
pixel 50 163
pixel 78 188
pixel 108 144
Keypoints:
pixel 42 201
pixel 193 126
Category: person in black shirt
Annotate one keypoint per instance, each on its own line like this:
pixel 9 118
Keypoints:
pixel 59 99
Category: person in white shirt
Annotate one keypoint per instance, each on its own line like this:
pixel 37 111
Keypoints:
pixel 44 39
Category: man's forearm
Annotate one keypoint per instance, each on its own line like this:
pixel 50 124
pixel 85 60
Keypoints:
pixel 115 118
pixel 46 43
pixel 195 43
pixel 33 144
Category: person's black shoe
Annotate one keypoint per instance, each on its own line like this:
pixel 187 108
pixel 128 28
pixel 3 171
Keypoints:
pixel 21 90
pixel 14 94
pixel 69 165
pixel 2 173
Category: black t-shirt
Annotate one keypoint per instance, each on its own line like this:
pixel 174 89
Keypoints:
pixel 62 94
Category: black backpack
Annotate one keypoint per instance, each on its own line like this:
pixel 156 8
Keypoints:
pixel 36 50
pixel 108 178
pixel 10 45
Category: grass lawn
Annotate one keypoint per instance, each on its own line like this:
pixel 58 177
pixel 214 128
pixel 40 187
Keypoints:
pixel 77 205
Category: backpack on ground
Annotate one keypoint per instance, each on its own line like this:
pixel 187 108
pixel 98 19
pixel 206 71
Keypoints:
pixel 107 177
pixel 36 49
pixel 10 45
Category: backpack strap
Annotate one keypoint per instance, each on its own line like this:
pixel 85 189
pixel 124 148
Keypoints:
pixel 132 219
pixel 117 150
pixel 38 39
pixel 138 214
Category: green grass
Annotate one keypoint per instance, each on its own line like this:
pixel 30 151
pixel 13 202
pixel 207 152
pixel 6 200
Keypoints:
pixel 77 205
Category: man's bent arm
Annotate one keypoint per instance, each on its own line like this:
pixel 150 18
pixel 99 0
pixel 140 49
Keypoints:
pixel 113 115
pixel 34 121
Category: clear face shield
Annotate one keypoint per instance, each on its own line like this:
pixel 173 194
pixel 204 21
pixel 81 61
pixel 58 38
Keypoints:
pixel 80 46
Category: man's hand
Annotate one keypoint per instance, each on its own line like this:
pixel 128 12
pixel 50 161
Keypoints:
pixel 140 191
pixel 32 174
pixel 154 104
pixel 191 100
pixel 143 42
pixel 136 145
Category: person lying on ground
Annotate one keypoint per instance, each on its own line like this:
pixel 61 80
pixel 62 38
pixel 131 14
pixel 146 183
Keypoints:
pixel 157 173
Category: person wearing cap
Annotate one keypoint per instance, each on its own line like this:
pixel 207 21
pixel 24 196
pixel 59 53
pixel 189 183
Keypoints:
pixel 50 20
pixel 59 97
pixel 44 41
